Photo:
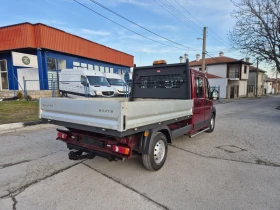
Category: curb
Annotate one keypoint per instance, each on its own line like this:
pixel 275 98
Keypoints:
pixel 13 127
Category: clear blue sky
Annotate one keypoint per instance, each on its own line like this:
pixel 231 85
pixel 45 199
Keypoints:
pixel 71 17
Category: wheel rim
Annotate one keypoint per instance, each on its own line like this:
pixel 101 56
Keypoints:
pixel 159 151
pixel 212 123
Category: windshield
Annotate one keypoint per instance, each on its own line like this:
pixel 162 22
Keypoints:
pixel 97 81
pixel 117 82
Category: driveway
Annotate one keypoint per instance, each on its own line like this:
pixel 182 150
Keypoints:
pixel 235 167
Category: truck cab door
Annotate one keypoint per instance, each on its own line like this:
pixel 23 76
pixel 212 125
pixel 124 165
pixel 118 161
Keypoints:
pixel 199 102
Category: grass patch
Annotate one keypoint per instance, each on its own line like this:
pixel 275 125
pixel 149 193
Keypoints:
pixel 18 111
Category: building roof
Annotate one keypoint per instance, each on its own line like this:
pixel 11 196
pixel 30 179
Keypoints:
pixel 272 80
pixel 217 60
pixel 212 76
pixel 27 35
pixel 253 69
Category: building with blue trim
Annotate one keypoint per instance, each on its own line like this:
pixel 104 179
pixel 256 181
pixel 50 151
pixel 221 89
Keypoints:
pixel 49 50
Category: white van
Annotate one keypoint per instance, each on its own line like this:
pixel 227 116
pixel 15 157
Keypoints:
pixel 84 83
pixel 115 80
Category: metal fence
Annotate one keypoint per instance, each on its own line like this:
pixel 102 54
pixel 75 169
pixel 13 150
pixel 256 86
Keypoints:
pixel 217 88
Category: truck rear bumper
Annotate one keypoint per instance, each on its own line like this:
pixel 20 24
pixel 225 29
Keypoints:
pixel 98 144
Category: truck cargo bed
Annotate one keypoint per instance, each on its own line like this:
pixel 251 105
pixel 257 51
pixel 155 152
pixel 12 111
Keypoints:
pixel 116 114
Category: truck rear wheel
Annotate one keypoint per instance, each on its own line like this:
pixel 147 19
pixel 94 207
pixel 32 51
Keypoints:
pixel 156 160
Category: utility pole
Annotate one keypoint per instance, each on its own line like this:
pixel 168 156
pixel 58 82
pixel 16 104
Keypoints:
pixel 257 80
pixel 276 83
pixel 204 50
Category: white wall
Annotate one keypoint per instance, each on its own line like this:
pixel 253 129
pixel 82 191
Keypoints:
pixel 243 75
pixel 28 74
pixel 243 88
pixel 269 87
pixel 219 70
pixel 222 82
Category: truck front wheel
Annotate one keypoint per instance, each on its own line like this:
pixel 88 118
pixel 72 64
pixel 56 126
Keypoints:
pixel 211 123
pixel 156 159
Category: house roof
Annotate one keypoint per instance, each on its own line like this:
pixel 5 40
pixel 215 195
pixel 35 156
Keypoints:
pixel 217 60
pixel 253 69
pixel 212 76
pixel 27 35
pixel 272 80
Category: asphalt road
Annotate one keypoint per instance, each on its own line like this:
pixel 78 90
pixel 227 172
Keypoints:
pixel 235 167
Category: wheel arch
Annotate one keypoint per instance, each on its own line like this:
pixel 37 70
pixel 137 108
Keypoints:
pixel 213 110
pixel 145 146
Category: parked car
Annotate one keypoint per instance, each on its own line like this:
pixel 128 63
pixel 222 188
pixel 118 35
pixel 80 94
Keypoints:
pixel 83 82
pixel 115 80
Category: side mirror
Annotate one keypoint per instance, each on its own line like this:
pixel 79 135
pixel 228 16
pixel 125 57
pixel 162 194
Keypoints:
pixel 214 95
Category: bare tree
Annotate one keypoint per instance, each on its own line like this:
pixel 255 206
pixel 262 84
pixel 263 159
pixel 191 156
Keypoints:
pixel 257 29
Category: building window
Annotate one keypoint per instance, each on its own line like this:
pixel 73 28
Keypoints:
pixel 51 64
pixel 90 67
pixel 245 69
pixel 76 63
pixel 107 69
pixel 233 71
pixel 102 68
pixel 111 70
pixel 61 64
pixel 96 68
pixel 3 75
pixel 84 65
pixel 199 87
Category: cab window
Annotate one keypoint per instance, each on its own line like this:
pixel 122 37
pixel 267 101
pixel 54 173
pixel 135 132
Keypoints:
pixel 207 88
pixel 83 80
pixel 199 86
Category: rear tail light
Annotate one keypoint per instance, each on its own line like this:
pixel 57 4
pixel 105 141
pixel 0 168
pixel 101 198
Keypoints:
pixel 61 135
pixel 120 149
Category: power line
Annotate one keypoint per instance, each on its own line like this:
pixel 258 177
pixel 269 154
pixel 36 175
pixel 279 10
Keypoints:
pixel 127 28
pixel 173 9
pixel 199 21
pixel 177 11
pixel 163 6
pixel 106 8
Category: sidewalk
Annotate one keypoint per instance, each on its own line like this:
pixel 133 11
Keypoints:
pixel 225 100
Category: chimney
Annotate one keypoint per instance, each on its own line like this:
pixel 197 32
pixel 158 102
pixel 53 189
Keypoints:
pixel 181 59
pixel 221 54
pixel 197 57
pixel 248 60
pixel 186 57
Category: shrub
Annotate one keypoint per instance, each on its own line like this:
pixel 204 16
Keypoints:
pixel 20 95
pixel 28 98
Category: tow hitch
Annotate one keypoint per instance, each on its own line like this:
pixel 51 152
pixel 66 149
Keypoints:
pixel 78 155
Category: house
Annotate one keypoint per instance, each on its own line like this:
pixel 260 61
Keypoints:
pixel 254 88
pixel 273 86
pixel 233 74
